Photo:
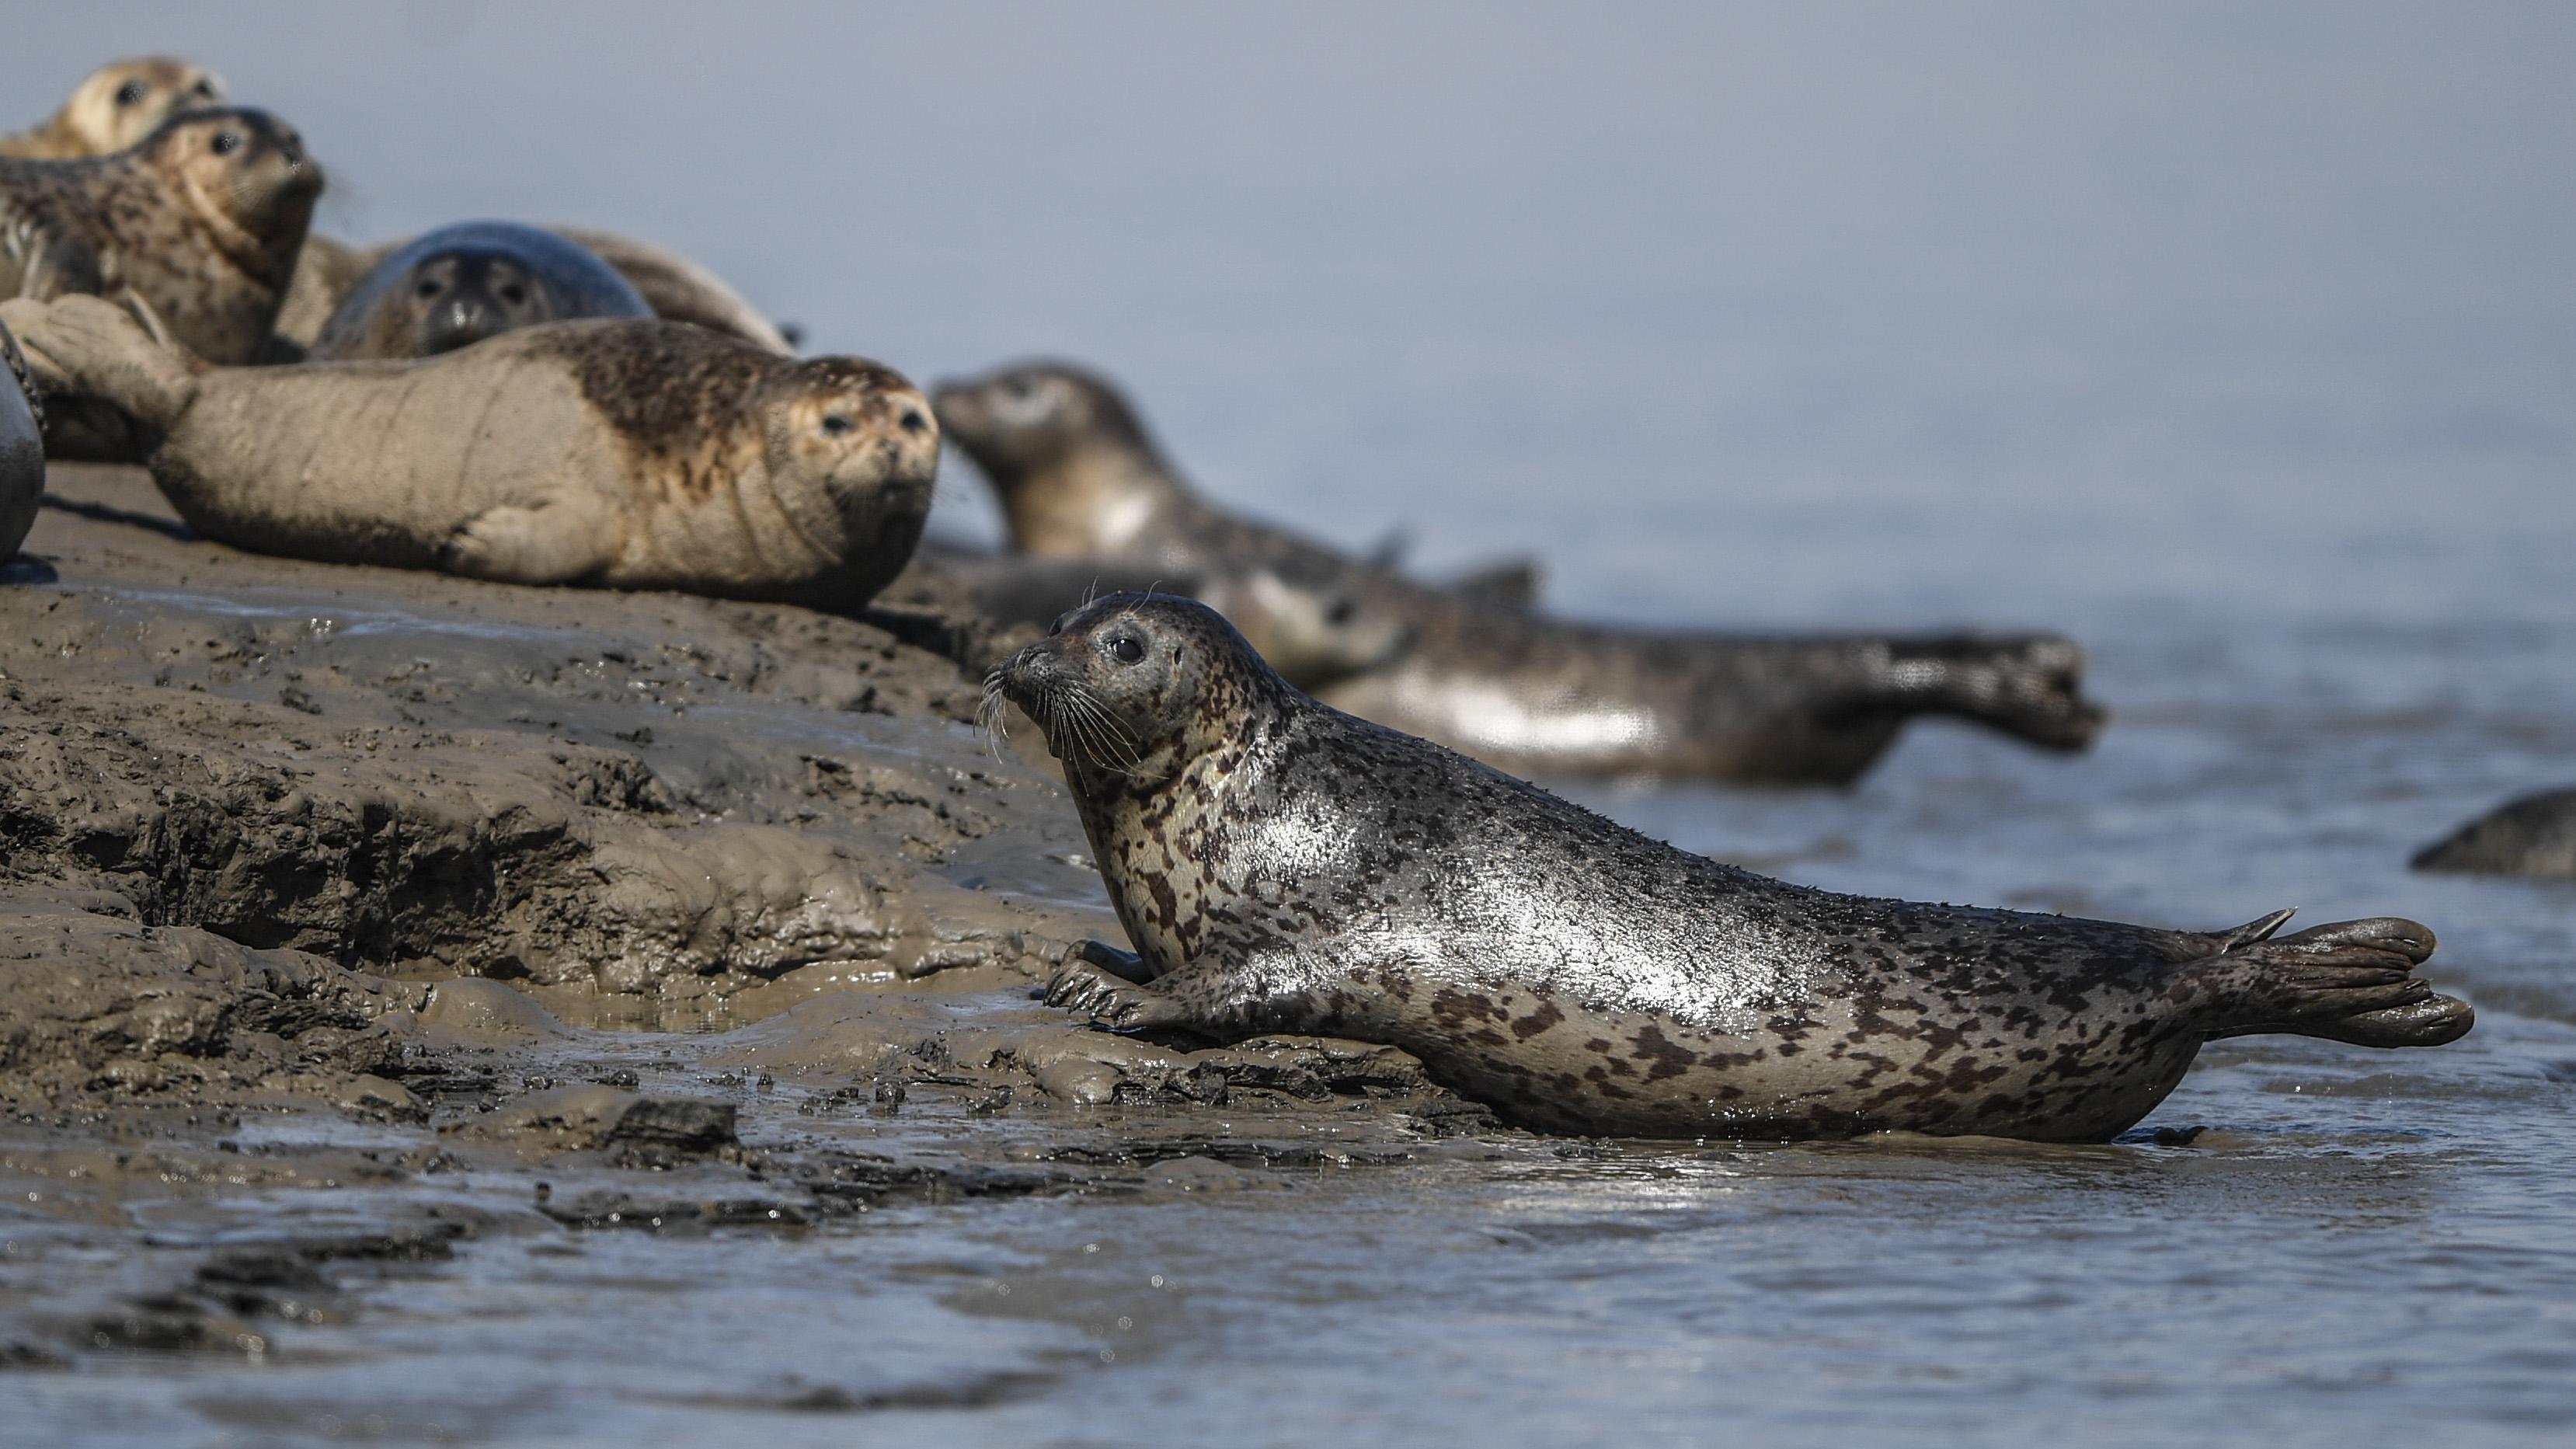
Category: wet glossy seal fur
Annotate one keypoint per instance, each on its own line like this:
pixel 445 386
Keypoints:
pixel 459 284
pixel 1078 475
pixel 1281 866
pixel 2534 836
pixel 22 447
pixel 627 454
pixel 119 104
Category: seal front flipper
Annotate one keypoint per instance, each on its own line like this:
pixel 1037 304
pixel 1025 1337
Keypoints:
pixel 1086 985
pixel 2351 981
pixel 555 542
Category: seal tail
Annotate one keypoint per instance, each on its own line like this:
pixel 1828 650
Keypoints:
pixel 2030 687
pixel 87 347
pixel 2352 981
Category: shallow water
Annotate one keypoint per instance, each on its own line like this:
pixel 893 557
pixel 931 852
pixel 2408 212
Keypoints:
pixel 2240 345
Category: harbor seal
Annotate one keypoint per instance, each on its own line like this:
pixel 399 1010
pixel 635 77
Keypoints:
pixel 460 284
pixel 201 220
pixel 1314 625
pixel 1281 866
pixel 1077 474
pixel 118 105
pixel 2535 836
pixel 673 286
pixel 627 454
pixel 22 447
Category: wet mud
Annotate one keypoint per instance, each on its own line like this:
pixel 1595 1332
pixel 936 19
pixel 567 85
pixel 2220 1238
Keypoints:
pixel 497 912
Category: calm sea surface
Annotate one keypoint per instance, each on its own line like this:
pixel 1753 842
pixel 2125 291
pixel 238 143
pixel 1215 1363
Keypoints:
pixel 2239 343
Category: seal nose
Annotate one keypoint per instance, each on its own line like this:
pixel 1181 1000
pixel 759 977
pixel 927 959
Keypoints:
pixel 462 322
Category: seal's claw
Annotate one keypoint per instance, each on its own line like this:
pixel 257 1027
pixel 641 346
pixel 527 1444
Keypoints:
pixel 1086 987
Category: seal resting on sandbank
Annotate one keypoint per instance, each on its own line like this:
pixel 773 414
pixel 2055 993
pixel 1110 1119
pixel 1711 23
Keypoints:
pixel 625 454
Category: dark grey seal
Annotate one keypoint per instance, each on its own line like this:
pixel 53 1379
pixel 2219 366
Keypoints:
pixel 1078 476
pixel 2535 835
pixel 1281 866
pixel 22 447
pixel 460 284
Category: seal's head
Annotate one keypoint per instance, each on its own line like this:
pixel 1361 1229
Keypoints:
pixel 1314 629
pixel 245 174
pixel 859 435
pixel 1024 419
pixel 460 284
pixel 124 101
pixel 1134 687
pixel 454 298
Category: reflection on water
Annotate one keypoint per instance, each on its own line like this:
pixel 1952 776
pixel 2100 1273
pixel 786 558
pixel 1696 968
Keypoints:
pixel 2238 344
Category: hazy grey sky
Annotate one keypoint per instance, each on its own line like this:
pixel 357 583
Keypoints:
pixel 1563 274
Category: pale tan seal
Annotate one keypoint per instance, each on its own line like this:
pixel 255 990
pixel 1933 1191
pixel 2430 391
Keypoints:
pixel 628 454
pixel 202 220
pixel 118 105
pixel 1280 866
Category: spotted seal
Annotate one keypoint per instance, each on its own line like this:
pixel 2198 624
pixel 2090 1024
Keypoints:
pixel 2535 836
pixel 118 105
pixel 22 447
pixel 1282 866
pixel 1078 475
pixel 460 284
pixel 201 220
pixel 621 453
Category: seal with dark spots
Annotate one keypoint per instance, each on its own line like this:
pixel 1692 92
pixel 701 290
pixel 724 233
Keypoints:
pixel 1078 475
pixel 201 220
pixel 628 454
pixel 460 284
pixel 1281 866
pixel 2534 836
pixel 22 447
pixel 119 104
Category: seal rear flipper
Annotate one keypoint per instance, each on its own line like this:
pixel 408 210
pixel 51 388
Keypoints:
pixel 2031 688
pixel 2351 981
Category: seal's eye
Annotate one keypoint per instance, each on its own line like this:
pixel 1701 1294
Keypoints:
pixel 427 289
pixel 836 425
pixel 513 293
pixel 130 94
pixel 1339 614
pixel 1019 387
pixel 1127 649
pixel 227 142
pixel 1058 626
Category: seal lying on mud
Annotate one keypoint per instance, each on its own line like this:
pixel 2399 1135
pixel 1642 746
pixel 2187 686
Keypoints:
pixel 460 284
pixel 202 220
pixel 1281 866
pixel 2535 835
pixel 22 447
pixel 119 104
pixel 1078 475
pixel 619 453
pixel 672 286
